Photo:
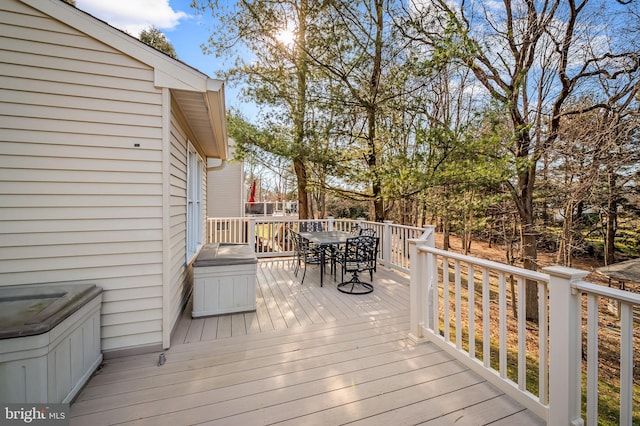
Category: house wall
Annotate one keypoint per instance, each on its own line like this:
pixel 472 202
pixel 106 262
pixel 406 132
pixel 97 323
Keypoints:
pixel 81 172
pixel 181 280
pixel 226 197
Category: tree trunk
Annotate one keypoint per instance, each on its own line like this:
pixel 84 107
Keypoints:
pixel 303 198
pixel 445 233
pixel 529 251
pixel 524 201
pixel 374 86
pixel 322 204
pixel 612 219
pixel 299 112
pixel 563 256
pixel 469 226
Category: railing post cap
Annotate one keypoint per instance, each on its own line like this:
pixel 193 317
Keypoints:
pixel 387 221
pixel 564 272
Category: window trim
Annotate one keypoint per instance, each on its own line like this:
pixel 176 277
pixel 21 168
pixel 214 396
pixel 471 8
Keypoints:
pixel 194 203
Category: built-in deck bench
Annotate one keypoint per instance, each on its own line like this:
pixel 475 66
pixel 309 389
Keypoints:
pixel 224 279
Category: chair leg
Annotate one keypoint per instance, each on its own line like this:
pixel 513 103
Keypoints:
pixel 304 273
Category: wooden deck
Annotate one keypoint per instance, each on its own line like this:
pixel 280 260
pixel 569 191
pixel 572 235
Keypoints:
pixel 307 356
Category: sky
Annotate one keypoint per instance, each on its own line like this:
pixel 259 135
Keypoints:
pixel 185 29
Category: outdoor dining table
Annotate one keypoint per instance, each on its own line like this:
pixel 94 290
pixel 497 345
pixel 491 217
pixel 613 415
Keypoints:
pixel 326 239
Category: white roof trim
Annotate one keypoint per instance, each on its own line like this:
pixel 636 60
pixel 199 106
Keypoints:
pixel 178 74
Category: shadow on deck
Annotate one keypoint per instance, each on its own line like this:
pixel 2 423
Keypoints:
pixel 308 355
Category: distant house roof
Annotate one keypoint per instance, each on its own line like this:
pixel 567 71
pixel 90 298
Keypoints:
pixel 200 98
pixel 627 271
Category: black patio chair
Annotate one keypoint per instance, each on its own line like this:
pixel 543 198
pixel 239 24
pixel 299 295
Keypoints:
pixel 305 253
pixel 359 255
pixel 310 226
pixel 355 230
pixel 368 232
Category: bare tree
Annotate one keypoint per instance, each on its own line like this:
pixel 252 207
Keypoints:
pixel 531 57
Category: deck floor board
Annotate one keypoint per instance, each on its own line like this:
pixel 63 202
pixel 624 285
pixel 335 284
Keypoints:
pixel 307 355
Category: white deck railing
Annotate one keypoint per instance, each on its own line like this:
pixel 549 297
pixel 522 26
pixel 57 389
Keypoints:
pixel 269 235
pixel 540 364
pixel 271 208
pixel 455 297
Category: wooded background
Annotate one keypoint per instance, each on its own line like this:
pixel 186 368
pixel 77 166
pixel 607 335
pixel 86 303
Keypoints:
pixel 514 121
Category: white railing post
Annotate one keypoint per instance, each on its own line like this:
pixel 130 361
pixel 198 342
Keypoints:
pixel 417 292
pixel 565 310
pixel 429 235
pixel 386 246
pixel 330 223
pixel 251 234
pixel 431 283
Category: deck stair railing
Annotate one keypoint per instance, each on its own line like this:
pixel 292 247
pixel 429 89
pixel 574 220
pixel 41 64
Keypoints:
pixel 476 310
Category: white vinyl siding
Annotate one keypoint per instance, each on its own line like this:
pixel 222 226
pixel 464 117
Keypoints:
pixel 81 171
pixel 182 272
pixel 225 198
pixel 181 279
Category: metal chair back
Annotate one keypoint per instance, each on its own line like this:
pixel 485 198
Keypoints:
pixel 310 226
pixel 360 254
pixel 368 232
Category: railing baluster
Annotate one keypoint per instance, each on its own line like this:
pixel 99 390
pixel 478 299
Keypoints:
pixel 458 292
pixel 543 342
pixel 592 359
pixel 435 314
pixel 447 303
pixel 626 363
pixel 486 318
pixel 502 327
pixel 472 311
pixel 522 335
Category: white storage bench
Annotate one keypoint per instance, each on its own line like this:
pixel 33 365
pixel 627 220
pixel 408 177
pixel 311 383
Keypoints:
pixel 49 341
pixel 224 280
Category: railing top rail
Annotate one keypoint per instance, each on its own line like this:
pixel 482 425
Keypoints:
pixel 609 292
pixel 284 219
pixel 508 269
pixel 417 228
